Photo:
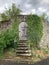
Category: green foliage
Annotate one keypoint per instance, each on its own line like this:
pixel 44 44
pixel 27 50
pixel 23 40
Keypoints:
pixel 4 17
pixel 35 29
pixel 43 16
pixel 46 50
pixel 15 11
pixel 2 42
pixel 8 36
pixel 14 29
pixel 11 13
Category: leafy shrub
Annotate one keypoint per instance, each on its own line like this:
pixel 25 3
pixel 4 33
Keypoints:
pixel 2 42
pixel 35 29
pixel 7 36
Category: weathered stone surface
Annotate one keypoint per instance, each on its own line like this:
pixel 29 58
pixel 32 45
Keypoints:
pixel 23 50
pixel 45 39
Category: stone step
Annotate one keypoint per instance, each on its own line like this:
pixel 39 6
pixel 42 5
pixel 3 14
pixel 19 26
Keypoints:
pixel 22 45
pixel 28 54
pixel 22 51
pixel 22 48
pixel 22 41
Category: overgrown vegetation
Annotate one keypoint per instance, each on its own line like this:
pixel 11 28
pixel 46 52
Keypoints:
pixel 11 13
pixel 8 36
pixel 35 30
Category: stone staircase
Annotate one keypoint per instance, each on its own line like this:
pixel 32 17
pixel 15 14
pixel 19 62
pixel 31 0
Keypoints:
pixel 23 50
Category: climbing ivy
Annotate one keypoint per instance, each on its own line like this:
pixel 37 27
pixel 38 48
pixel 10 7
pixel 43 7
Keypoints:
pixel 35 29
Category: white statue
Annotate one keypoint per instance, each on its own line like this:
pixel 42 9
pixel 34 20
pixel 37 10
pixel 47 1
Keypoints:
pixel 23 31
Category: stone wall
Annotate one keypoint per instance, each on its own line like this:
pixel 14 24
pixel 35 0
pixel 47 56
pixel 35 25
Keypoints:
pixel 23 18
pixel 5 24
pixel 45 39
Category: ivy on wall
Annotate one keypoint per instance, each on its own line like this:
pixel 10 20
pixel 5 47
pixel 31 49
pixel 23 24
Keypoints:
pixel 35 29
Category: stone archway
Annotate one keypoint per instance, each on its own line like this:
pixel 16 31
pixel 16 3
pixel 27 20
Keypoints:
pixel 23 31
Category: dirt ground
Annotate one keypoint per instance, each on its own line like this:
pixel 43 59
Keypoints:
pixel 11 62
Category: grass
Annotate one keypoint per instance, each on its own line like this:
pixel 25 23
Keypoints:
pixel 8 54
pixel 39 54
